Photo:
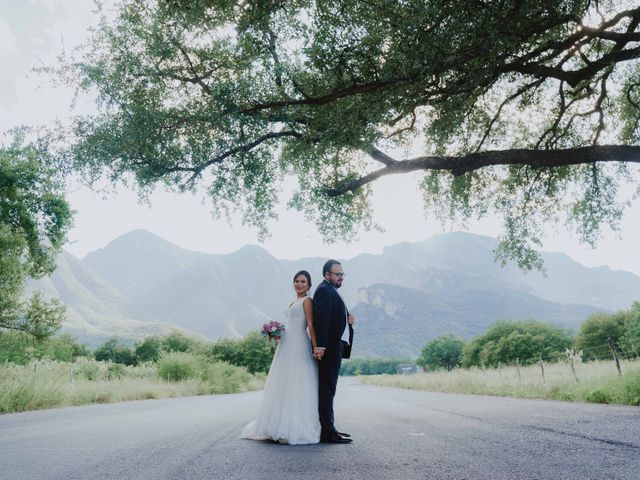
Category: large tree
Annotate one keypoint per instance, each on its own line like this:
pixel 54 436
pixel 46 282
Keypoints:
pixel 525 342
pixel 442 352
pixel 34 221
pixel 596 332
pixel 631 338
pixel 525 109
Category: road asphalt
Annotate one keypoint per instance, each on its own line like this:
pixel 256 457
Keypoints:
pixel 398 434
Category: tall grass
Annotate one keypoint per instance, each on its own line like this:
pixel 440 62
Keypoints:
pixel 48 384
pixel 597 382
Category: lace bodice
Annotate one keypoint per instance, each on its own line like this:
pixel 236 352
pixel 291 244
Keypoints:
pixel 294 315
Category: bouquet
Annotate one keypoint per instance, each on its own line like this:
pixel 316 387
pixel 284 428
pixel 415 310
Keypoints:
pixel 273 330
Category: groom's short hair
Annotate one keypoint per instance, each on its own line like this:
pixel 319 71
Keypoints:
pixel 328 265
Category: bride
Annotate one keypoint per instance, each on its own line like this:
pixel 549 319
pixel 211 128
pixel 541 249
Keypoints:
pixel 289 410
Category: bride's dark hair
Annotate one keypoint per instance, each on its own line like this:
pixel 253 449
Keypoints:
pixel 306 274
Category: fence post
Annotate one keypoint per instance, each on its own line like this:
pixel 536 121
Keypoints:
pixel 573 369
pixel 542 368
pixel 518 370
pixel 615 356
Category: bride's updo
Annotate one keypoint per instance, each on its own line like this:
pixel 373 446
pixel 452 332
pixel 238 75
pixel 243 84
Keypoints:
pixel 307 276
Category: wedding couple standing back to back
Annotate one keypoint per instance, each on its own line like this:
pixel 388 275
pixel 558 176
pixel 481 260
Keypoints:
pixel 297 405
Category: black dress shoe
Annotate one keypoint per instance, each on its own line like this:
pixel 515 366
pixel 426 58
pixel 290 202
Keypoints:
pixel 342 434
pixel 336 439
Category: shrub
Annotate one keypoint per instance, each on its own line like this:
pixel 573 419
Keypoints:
pixel 597 396
pixel 176 342
pixel 223 377
pixel 114 351
pixel 177 366
pixel 149 349
pixel 631 388
pixel 115 370
pixel 219 377
pixel 252 352
pixel 87 368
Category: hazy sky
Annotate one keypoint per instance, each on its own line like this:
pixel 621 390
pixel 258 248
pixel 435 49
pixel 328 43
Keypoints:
pixel 34 32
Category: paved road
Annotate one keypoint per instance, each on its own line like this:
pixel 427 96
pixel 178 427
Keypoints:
pixel 399 434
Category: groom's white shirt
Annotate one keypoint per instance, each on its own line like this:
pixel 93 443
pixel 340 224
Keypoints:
pixel 345 332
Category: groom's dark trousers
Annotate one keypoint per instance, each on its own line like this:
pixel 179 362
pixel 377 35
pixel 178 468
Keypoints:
pixel 328 372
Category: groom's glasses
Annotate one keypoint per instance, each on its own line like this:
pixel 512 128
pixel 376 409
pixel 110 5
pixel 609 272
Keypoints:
pixel 339 275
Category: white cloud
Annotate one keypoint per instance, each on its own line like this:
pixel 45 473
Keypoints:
pixel 8 39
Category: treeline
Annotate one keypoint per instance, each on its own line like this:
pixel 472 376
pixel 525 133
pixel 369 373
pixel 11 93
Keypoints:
pixel 526 342
pixel 504 343
pixel 252 352
pixel 21 348
pixel 371 366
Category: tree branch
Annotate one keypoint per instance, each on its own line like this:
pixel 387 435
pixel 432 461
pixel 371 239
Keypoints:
pixel 197 79
pixel 510 98
pixel 197 170
pixel 408 128
pixel 477 160
pixel 574 77
pixel 354 89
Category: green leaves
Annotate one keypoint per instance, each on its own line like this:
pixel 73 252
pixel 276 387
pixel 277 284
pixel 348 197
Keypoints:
pixel 34 221
pixel 525 341
pixel 232 97
pixel 442 352
pixel 595 331
pixel 252 352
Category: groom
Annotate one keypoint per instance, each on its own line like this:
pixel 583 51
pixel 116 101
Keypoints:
pixel 334 335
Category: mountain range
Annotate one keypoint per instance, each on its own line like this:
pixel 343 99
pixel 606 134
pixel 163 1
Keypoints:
pixel 141 284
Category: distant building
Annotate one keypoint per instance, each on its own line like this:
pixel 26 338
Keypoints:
pixel 407 369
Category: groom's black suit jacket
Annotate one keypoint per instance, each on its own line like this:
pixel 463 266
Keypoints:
pixel 329 320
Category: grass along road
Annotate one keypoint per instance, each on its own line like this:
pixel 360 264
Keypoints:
pixel 50 384
pixel 595 382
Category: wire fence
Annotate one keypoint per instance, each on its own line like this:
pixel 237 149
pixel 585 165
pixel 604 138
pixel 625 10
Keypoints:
pixel 573 357
pixel 579 355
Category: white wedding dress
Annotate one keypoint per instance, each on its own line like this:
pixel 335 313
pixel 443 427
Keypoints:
pixel 289 409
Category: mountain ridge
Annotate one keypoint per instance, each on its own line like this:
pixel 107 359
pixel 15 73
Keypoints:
pixel 222 295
